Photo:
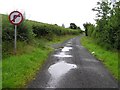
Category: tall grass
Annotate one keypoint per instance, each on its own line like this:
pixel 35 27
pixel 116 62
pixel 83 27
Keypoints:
pixel 18 70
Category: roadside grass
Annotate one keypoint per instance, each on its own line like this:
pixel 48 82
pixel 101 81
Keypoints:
pixel 18 70
pixel 107 57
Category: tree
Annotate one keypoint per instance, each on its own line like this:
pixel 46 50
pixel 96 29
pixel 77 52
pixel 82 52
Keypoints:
pixel 86 28
pixel 103 9
pixel 56 25
pixel 63 25
pixel 107 30
pixel 73 26
pixel 79 28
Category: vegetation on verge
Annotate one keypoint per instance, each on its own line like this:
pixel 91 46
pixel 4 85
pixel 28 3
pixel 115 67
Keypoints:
pixel 109 58
pixel 106 32
pixel 18 70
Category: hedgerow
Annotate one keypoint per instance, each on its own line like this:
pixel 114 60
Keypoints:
pixel 28 30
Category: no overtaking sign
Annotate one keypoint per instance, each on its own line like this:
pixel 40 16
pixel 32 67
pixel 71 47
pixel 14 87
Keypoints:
pixel 15 18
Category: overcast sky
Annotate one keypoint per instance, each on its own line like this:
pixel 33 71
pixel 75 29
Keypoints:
pixel 53 11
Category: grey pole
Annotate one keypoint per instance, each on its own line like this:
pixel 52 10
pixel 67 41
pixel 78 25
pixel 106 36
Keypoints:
pixel 15 39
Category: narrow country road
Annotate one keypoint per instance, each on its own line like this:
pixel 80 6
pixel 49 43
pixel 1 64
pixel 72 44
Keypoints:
pixel 72 66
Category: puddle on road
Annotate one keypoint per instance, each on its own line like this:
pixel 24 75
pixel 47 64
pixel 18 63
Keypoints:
pixel 66 48
pixel 57 71
pixel 62 54
pixel 60 68
pixel 69 42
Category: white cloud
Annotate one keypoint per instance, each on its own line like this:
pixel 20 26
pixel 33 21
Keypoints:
pixel 53 11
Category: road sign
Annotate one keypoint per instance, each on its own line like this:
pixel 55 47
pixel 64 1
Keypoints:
pixel 15 17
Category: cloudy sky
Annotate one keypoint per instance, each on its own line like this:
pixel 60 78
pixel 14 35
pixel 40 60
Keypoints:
pixel 53 11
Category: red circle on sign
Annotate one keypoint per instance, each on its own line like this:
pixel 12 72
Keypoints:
pixel 16 17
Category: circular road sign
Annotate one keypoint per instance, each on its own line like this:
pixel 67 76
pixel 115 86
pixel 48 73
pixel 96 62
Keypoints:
pixel 15 17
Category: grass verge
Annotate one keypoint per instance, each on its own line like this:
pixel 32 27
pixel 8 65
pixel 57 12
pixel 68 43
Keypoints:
pixel 108 58
pixel 18 70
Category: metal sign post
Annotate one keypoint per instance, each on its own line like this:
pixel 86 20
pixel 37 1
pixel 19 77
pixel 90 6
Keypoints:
pixel 15 18
pixel 15 44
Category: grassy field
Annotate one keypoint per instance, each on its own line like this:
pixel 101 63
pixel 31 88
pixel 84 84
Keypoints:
pixel 18 70
pixel 108 58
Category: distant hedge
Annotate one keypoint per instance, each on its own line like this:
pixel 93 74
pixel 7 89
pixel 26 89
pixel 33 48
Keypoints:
pixel 46 29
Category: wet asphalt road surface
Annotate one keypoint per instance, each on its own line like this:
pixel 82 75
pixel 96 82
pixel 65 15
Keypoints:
pixel 73 66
